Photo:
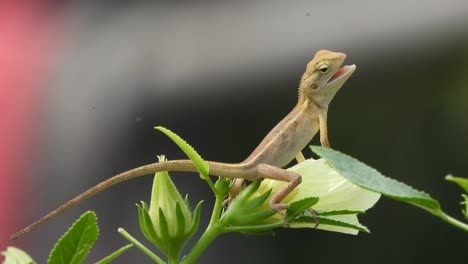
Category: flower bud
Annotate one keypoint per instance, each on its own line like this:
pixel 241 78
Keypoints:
pixel 168 221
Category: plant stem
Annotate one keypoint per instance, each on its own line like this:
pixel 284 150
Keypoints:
pixel 211 232
pixel 114 254
pixel 218 206
pixel 140 246
pixel 254 228
pixel 173 255
pixel 173 259
pixel 210 183
pixel 214 229
pixel 447 218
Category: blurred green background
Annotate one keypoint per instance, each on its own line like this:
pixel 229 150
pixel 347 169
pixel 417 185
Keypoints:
pixel 221 74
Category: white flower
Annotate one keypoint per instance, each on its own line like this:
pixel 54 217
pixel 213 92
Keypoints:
pixel 334 191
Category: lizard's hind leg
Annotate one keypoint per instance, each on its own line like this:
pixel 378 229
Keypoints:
pixel 274 173
pixel 237 187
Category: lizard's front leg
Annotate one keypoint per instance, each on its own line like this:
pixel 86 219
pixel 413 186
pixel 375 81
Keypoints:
pixel 323 130
pixel 300 157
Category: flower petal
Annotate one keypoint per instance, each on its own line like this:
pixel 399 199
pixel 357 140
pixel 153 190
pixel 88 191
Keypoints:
pixel 334 192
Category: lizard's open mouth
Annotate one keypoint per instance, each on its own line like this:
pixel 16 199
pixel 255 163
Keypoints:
pixel 343 71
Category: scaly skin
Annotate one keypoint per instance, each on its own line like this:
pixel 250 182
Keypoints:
pixel 320 82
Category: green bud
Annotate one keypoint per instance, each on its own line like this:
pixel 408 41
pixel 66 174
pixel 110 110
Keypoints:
pixel 168 222
pixel 244 209
pixel 223 186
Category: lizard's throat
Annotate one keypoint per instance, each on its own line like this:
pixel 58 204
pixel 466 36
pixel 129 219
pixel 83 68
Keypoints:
pixel 307 102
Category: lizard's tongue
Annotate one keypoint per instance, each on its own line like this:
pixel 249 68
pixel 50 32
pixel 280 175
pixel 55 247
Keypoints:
pixel 340 73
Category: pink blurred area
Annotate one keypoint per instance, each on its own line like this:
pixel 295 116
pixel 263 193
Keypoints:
pixel 27 41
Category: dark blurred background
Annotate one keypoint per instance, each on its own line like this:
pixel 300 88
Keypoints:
pixel 101 74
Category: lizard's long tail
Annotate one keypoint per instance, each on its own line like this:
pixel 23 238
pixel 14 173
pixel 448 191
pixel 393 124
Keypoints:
pixel 216 168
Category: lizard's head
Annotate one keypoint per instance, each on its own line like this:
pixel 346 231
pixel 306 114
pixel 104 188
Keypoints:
pixel 324 77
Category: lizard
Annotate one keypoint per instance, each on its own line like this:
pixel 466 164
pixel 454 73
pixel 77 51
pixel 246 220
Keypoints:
pixel 323 77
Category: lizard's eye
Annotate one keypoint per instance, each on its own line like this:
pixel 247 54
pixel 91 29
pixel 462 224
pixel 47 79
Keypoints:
pixel 324 68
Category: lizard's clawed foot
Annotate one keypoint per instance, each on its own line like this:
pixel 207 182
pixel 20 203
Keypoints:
pixel 227 201
pixel 279 210
pixel 314 215
pixel 283 216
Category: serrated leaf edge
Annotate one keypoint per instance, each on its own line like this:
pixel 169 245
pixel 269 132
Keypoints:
pixel 193 155
pixel 423 195
pixel 87 214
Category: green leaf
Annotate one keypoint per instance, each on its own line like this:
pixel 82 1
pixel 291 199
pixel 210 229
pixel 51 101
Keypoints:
pixel 465 212
pixel 462 182
pixel 180 221
pixel 369 178
pixel 114 255
pixel 164 228
pixel 246 193
pixel 186 201
pixel 298 207
pixel 76 243
pixel 202 166
pixel 329 220
pixel 257 201
pixel 256 216
pixel 146 224
pixel 339 212
pixel 195 220
pixel 16 256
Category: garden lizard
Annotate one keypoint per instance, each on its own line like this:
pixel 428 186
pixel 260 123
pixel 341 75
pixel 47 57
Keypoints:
pixel 320 82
